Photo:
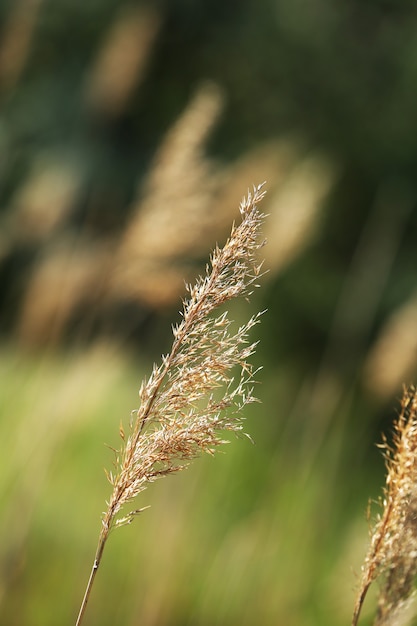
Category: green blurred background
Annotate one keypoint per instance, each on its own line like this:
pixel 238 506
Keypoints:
pixel 129 132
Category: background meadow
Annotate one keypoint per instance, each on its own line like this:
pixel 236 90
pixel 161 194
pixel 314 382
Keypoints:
pixel 129 132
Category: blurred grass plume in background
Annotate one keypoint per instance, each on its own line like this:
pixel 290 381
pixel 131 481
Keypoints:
pixel 392 556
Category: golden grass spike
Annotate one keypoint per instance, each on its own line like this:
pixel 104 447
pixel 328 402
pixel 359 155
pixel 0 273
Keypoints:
pixel 392 556
pixel 180 415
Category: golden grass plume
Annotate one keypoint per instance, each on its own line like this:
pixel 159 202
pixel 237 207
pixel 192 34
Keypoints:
pixel 193 396
pixel 392 556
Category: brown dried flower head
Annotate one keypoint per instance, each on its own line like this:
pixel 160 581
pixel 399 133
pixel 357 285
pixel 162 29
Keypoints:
pixel 393 551
pixel 182 412
pixel 194 395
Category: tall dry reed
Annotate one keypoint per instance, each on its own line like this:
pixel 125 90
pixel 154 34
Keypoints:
pixel 392 556
pixel 193 396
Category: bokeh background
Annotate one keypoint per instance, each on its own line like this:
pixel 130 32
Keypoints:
pixel 129 131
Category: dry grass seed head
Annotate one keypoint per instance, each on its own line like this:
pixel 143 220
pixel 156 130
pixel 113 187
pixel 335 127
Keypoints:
pixel 193 395
pixel 393 551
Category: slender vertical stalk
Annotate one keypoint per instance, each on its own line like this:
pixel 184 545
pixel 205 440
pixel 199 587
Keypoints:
pixel 96 565
pixel 359 604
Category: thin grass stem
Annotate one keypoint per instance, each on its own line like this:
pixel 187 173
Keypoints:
pixel 94 569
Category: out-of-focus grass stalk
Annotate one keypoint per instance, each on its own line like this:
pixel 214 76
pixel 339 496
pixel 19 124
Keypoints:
pixel 392 555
